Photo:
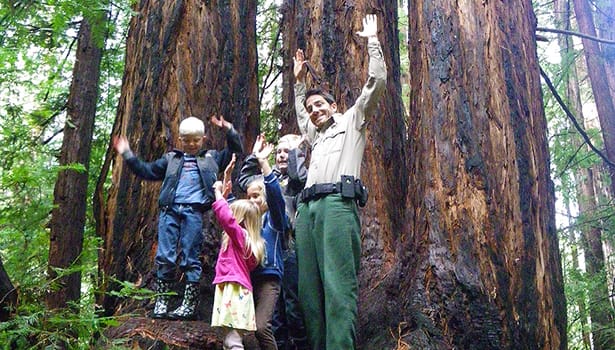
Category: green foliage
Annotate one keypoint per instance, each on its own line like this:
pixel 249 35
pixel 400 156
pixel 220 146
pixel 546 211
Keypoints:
pixel 132 291
pixel 37 43
pixel 269 125
pixel 572 162
pixel 26 188
pixel 404 58
pixel 37 328
pixel 269 42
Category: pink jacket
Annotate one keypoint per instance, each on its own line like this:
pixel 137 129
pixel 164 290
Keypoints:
pixel 232 264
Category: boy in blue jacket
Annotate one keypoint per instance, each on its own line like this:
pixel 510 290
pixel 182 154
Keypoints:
pixel 187 178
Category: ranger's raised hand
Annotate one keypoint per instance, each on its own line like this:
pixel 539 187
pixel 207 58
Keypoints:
pixel 300 66
pixel 370 26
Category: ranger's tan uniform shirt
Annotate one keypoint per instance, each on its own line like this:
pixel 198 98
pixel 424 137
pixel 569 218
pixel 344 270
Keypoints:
pixel 338 149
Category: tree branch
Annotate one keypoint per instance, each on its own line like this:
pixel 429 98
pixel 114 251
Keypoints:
pixel 570 32
pixel 271 64
pixel 565 167
pixel 573 119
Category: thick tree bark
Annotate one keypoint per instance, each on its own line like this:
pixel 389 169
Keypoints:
pixel 70 193
pixel 294 17
pixel 459 244
pixel 482 262
pixel 184 58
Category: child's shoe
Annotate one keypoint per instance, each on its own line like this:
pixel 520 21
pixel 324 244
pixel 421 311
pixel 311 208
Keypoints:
pixel 162 299
pixel 187 310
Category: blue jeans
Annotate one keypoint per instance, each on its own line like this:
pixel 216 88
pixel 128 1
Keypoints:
pixel 179 232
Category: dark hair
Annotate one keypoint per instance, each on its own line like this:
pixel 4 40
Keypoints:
pixel 318 91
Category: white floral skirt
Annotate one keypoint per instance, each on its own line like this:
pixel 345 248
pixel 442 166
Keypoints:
pixel 233 307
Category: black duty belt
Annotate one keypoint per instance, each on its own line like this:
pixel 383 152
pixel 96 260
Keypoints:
pixel 318 190
pixel 349 187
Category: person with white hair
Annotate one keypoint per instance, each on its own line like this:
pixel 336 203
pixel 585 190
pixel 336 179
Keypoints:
pixel 187 176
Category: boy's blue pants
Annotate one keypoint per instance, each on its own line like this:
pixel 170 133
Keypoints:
pixel 180 236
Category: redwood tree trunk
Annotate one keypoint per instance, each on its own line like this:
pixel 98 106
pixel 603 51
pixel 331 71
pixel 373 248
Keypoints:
pixel 70 193
pixel 184 58
pixel 598 77
pixel 481 252
pixel 459 244
pixel 606 30
pixel 606 25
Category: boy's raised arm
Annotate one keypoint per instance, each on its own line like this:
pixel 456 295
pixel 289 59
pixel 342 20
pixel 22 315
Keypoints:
pixel 233 141
pixel 154 171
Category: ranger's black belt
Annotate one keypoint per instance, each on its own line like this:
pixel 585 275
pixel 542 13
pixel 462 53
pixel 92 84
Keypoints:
pixel 349 187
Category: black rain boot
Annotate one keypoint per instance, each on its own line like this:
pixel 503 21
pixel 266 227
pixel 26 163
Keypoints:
pixel 162 299
pixel 187 310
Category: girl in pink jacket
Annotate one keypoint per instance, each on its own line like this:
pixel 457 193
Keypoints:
pixel 242 250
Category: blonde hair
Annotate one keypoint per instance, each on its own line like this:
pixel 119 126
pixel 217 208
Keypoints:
pixel 291 139
pixel 260 185
pixel 192 126
pixel 248 216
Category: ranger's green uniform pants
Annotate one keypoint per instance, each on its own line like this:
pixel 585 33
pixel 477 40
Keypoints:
pixel 328 234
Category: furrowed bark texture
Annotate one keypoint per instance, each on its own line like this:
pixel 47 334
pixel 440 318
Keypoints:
pixel 184 58
pixel 293 26
pixel 147 333
pixel 459 245
pixel 482 255
pixel 70 192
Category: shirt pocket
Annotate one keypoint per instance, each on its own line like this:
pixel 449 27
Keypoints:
pixel 329 143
